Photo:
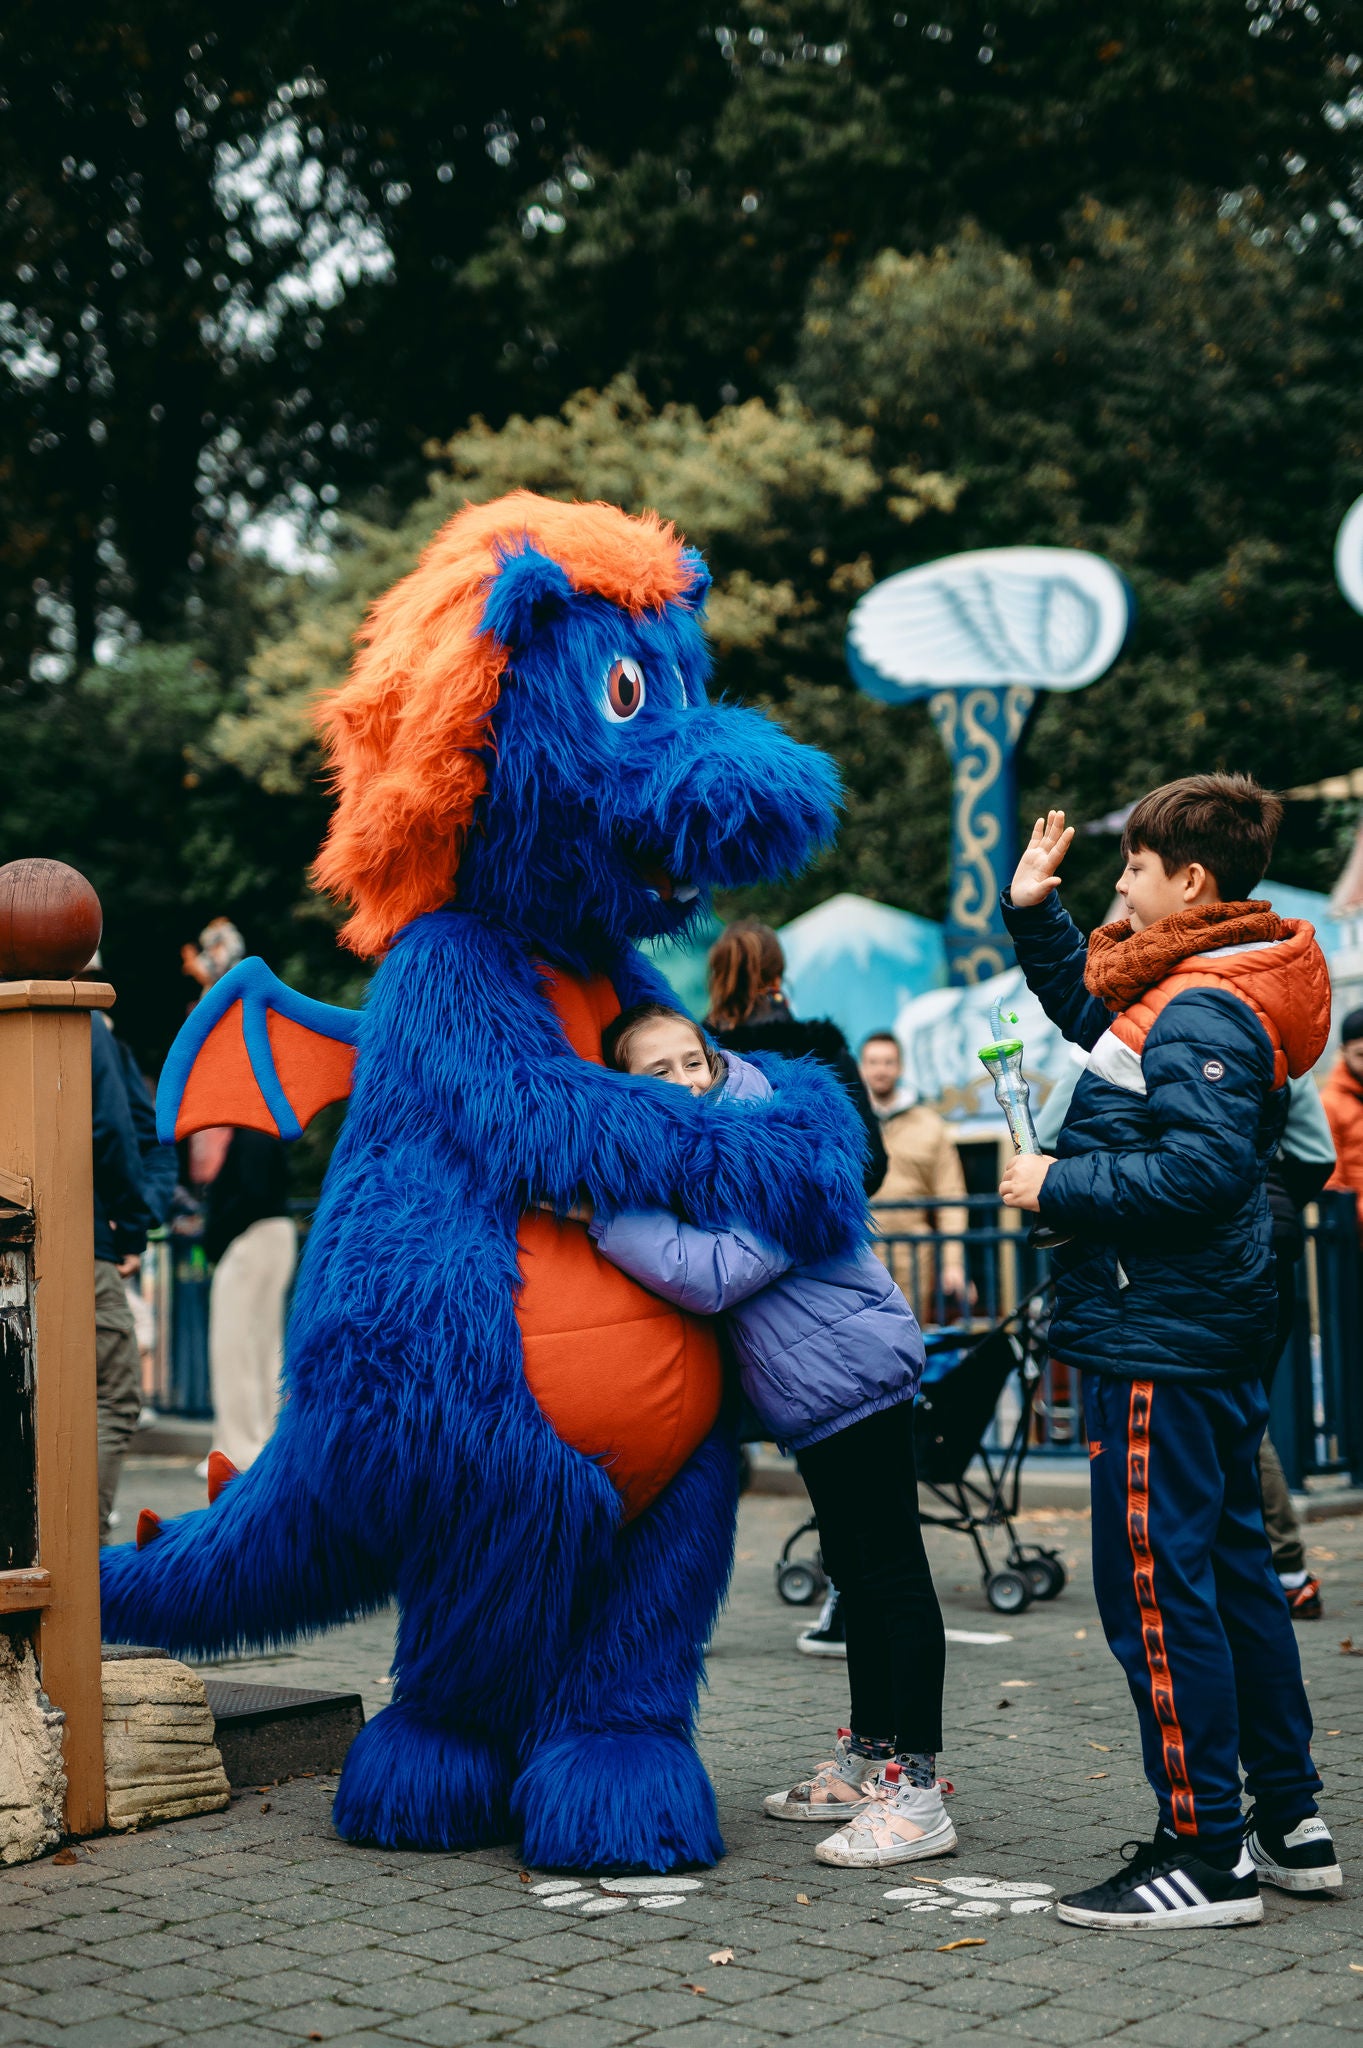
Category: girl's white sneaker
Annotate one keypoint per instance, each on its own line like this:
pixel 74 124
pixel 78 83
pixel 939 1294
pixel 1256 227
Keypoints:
pixel 838 1789
pixel 901 1823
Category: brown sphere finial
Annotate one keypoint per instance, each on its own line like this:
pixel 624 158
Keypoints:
pixel 50 921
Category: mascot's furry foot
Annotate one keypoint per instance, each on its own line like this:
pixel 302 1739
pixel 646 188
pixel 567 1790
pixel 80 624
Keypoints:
pixel 410 1784
pixel 616 1802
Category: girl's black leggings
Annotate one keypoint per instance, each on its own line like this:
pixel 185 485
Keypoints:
pixel 864 1487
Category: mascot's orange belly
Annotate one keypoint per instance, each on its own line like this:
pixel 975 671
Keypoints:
pixel 621 1376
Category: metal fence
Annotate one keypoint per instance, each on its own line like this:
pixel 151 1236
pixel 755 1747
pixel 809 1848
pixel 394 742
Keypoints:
pixel 1317 1394
pixel 1316 1399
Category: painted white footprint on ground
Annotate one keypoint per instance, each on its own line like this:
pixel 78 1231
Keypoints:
pixel 980 1897
pixel 573 1895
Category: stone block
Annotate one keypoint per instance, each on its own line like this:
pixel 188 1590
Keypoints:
pixel 32 1777
pixel 160 1759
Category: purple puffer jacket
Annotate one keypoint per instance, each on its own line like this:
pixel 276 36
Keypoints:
pixel 818 1347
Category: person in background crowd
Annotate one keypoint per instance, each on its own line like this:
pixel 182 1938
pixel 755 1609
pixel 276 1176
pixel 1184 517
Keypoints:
pixel 220 947
pixel 122 1218
pixel 1342 1098
pixel 1304 1161
pixel 250 1239
pixel 749 1013
pixel 924 1166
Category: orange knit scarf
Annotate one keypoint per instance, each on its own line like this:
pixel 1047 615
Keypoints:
pixel 1122 964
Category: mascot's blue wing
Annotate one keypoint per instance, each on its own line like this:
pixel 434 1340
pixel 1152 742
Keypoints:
pixel 255 1054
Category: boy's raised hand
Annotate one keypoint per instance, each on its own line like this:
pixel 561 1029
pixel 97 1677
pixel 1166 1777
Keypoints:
pixel 1038 872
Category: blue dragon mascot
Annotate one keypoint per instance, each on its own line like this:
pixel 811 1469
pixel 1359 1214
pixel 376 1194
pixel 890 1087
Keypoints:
pixel 481 1419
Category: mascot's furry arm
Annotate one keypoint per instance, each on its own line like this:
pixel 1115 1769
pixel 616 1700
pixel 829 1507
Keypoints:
pixel 790 1168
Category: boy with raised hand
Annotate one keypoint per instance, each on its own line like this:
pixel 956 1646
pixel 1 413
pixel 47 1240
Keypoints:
pixel 1194 1009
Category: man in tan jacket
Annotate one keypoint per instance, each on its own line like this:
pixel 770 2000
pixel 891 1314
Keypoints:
pixel 924 1167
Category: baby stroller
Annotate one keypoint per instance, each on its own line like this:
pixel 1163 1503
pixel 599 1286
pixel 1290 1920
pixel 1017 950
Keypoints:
pixel 952 1418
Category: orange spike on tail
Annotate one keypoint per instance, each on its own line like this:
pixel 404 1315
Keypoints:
pixel 148 1527
pixel 221 1471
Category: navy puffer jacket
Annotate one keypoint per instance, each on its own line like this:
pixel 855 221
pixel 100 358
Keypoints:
pixel 1161 1161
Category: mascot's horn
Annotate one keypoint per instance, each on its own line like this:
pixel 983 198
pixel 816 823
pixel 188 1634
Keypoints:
pixel 530 590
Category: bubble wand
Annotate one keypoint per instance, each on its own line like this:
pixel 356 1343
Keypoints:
pixel 1002 1061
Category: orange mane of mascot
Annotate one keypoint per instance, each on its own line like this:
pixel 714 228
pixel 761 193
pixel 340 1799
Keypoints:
pixel 482 1418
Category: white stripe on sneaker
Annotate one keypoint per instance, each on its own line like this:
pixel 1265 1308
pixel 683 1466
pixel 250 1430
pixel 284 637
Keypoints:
pixel 1152 1899
pixel 1194 1897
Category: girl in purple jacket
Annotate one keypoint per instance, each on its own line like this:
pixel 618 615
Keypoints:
pixel 830 1357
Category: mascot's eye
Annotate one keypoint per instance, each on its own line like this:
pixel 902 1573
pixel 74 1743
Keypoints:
pixel 624 690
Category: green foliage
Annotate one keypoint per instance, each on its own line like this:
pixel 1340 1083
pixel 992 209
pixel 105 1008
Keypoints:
pixel 838 288
pixel 100 772
pixel 258 253
pixel 1184 395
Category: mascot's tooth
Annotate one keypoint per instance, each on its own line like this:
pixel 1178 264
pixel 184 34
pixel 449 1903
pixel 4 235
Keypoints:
pixel 685 892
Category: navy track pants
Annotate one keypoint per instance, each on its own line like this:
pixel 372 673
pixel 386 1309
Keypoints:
pixel 1191 1605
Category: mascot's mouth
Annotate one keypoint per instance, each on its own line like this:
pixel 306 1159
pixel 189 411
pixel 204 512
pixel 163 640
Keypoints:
pixel 664 886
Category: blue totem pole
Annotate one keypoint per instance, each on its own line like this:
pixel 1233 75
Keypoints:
pixel 978 635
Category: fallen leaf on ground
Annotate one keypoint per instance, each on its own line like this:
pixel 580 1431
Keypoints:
pixel 1106 1747
pixel 1079 1634
pixel 699 1989
pixel 65 1856
pixel 802 1898
pixel 1334 1731
pixel 1097 1774
pixel 721 1955
pixel 1347 1649
pixel 1329 1555
pixel 1007 1682
pixel 970 1941
pixel 1358 1967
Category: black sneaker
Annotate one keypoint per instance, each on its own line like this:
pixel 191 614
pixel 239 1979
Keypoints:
pixel 1167 1885
pixel 828 1636
pixel 1302 1860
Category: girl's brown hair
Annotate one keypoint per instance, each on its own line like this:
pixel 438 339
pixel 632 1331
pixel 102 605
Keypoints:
pixel 619 1033
pixel 745 961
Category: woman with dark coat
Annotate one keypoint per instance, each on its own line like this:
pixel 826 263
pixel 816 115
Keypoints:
pixel 749 1013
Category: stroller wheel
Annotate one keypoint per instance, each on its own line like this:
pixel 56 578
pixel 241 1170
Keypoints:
pixel 1007 1592
pixel 799 1583
pixel 1045 1574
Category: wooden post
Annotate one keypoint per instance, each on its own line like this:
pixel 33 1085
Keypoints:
pixel 50 926
pixel 45 1141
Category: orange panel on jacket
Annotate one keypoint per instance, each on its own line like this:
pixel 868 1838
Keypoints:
pixel 620 1374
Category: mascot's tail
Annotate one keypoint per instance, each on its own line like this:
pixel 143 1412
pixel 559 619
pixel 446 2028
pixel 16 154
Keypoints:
pixel 265 1563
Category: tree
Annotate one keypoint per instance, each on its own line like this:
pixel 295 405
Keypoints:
pixel 108 772
pixel 853 126
pixel 258 257
pixel 1186 397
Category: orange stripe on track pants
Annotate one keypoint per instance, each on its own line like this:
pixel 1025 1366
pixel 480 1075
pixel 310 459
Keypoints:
pixel 1152 1621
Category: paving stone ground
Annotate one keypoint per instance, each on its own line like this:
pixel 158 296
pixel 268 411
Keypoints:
pixel 257 1928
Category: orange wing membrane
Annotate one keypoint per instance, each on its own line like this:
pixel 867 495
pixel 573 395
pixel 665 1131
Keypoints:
pixel 255 1054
